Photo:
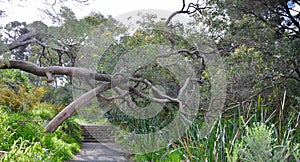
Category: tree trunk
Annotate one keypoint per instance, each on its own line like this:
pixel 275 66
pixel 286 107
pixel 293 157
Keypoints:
pixel 68 111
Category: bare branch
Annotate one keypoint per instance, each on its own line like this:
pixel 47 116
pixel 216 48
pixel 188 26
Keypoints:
pixel 196 53
pixel 183 88
pixel 22 40
pixel 291 17
pixel 169 34
pixel 47 46
pixel 113 98
pixel 159 94
pixel 54 70
pixel 196 7
pixel 68 111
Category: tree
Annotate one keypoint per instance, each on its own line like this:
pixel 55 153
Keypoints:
pixel 35 46
pixel 269 28
pixel 49 51
pixel 259 41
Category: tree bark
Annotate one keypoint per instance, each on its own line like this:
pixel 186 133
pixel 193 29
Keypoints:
pixel 70 109
pixel 54 70
pixel 22 40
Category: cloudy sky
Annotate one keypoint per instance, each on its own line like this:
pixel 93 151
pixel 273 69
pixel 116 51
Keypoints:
pixel 29 10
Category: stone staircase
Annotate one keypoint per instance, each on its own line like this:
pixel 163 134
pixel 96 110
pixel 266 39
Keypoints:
pixel 98 145
pixel 97 133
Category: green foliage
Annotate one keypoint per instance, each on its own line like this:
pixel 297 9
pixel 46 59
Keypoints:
pixel 23 116
pixel 259 144
pixel 24 126
pixel 157 75
pixel 174 156
pixel 59 148
pixel 22 100
pixel 26 151
pixel 61 95
pixel 70 131
pixel 258 45
pixel 5 134
pixel 14 78
pixel 245 72
pixel 261 49
pixel 22 136
pixel 231 138
pixel 16 93
pixel 42 110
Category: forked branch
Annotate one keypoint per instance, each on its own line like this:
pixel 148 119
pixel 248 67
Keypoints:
pixel 192 8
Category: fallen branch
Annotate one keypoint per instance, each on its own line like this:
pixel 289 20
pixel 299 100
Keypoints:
pixel 70 109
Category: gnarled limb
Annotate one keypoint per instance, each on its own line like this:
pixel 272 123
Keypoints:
pixel 69 71
pixel 49 72
pixel 192 8
pixel 22 40
pixel 70 109
pixel 54 70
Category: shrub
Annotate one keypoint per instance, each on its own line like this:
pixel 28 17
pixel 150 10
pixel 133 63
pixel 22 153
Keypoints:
pixel 21 99
pixel 259 144
pixel 5 134
pixel 26 151
pixel 22 119
pixel 60 148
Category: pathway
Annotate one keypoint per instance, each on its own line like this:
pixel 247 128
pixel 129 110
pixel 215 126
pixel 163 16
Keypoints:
pixel 98 146
pixel 100 152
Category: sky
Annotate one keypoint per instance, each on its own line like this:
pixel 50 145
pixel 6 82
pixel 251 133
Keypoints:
pixel 29 10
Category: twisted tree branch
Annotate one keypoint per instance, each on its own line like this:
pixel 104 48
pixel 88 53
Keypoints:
pixel 71 108
pixel 54 70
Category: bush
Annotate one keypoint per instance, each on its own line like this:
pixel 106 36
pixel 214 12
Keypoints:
pixel 22 133
pixel 259 144
pixel 5 134
pixel 26 151
pixel 24 140
pixel 60 148
pixel 22 136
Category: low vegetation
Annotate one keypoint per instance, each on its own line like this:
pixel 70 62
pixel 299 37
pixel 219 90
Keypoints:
pixel 257 42
pixel 23 115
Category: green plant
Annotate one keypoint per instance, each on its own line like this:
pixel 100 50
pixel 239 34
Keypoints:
pixel 70 131
pixel 59 147
pixel 22 119
pixel 260 144
pixel 26 151
pixel 22 137
pixel 5 133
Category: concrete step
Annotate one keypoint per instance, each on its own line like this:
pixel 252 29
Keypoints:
pixel 97 133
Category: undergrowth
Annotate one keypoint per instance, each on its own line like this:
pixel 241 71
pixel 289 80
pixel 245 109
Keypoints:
pixel 23 116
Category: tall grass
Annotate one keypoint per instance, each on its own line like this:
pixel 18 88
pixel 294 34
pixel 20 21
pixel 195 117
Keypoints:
pixel 233 135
